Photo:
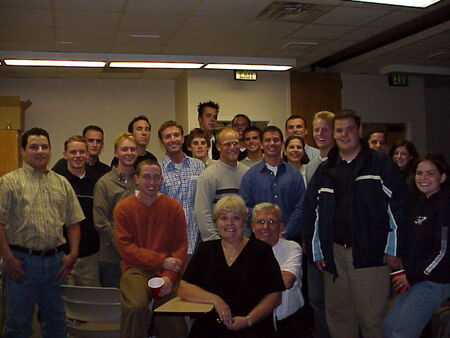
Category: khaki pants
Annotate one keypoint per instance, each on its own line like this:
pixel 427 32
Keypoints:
pixel 85 272
pixel 357 297
pixel 136 316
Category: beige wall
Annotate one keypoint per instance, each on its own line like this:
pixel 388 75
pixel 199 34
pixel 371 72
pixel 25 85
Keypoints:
pixel 267 98
pixel 65 106
pixel 376 101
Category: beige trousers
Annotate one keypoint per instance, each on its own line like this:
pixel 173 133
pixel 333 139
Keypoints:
pixel 357 298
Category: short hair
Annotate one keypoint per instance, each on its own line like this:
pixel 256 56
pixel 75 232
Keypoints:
pixel 34 132
pixel 439 161
pixel 167 124
pixel 412 150
pixel 200 133
pixel 138 118
pixel 377 131
pixel 272 129
pixel 122 137
pixel 241 115
pixel 347 114
pixel 269 207
pixel 226 130
pixel 93 127
pixel 252 128
pixel 233 203
pixel 210 104
pixel 305 158
pixel 146 162
pixel 75 138
pixel 294 117
pixel 324 114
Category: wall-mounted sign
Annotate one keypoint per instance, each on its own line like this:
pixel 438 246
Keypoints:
pixel 246 75
pixel 398 80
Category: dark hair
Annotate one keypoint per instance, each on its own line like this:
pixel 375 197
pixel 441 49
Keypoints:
pixel 409 146
pixel 348 114
pixel 305 158
pixel 253 128
pixel 138 118
pixel 75 138
pixel 272 129
pixel 92 127
pixel 210 104
pixel 439 161
pixel 241 115
pixel 146 162
pixel 167 124
pixel 294 117
pixel 378 131
pixel 33 132
pixel 198 132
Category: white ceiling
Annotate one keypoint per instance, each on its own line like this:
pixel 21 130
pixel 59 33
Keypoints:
pixel 216 28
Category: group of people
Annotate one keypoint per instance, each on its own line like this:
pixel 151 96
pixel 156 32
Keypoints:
pixel 227 218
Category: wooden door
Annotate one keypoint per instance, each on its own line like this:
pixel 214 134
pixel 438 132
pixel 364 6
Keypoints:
pixel 9 151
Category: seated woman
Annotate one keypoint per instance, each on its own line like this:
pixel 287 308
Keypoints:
pixel 425 283
pixel 240 276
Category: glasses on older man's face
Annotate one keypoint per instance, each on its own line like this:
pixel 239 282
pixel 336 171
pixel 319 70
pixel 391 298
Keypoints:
pixel 267 221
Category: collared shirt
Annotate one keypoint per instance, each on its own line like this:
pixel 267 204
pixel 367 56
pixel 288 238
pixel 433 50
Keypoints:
pixel 312 152
pixel 181 185
pixel 289 257
pixel 285 189
pixel 34 206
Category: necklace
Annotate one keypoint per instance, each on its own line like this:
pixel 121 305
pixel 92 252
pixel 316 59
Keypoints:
pixel 232 252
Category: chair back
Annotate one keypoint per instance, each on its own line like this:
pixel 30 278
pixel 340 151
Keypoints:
pixel 92 311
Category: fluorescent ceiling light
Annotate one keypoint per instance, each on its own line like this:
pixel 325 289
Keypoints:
pixel 407 3
pixel 246 67
pixel 182 65
pixel 54 63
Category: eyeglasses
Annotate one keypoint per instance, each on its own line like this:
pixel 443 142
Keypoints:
pixel 230 144
pixel 266 221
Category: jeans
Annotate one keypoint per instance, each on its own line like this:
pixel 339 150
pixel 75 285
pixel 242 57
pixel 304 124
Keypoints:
pixel 413 309
pixel 40 285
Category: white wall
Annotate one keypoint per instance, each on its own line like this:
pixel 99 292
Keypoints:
pixel 376 101
pixel 268 98
pixel 65 106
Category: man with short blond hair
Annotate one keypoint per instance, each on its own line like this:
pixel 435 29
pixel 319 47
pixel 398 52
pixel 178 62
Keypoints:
pixel 85 270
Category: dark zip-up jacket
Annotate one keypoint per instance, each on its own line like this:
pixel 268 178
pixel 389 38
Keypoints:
pixel 429 255
pixel 379 210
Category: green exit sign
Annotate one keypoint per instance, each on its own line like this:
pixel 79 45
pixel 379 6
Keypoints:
pixel 246 75
pixel 399 80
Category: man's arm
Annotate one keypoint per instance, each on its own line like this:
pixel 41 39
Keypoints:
pixel 291 266
pixel 246 192
pixel 102 212
pixel 73 234
pixel 292 226
pixel 13 266
pixel 204 197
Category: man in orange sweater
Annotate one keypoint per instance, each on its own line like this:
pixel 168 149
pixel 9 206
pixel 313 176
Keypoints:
pixel 150 230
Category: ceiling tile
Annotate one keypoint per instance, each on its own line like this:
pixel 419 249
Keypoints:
pixel 151 24
pixel 314 31
pixel 34 46
pixel 92 5
pixel 393 19
pixel 232 8
pixel 26 4
pixel 269 29
pixel 362 33
pixel 27 34
pixel 336 45
pixel 350 16
pixel 25 17
pixel 201 23
pixel 161 7
pixel 84 35
pixel 87 19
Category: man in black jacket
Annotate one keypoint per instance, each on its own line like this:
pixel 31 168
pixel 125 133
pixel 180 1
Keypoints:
pixel 82 180
pixel 354 223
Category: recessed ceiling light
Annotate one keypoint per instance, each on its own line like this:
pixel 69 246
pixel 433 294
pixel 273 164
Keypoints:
pixel 180 65
pixel 407 3
pixel 143 36
pixel 232 66
pixel 54 63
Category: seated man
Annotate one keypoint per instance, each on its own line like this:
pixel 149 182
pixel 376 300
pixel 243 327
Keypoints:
pixel 267 226
pixel 150 231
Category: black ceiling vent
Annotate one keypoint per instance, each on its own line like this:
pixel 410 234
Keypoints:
pixel 290 11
